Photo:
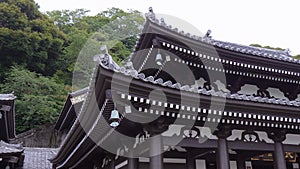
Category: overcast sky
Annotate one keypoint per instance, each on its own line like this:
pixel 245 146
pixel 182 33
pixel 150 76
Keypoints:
pixel 266 22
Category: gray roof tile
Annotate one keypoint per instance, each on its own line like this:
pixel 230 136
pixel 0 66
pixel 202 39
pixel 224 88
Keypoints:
pixel 6 148
pixel 179 86
pixel 38 158
pixel 263 52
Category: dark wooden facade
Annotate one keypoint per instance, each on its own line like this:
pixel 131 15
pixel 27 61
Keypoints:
pixel 7 117
pixel 11 155
pixel 92 142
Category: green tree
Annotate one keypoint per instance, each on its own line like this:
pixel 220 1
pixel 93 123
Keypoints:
pixel 39 52
pixel 66 19
pixel 39 99
pixel 274 48
pixel 28 38
pixel 85 34
pixel 267 47
pixel 297 56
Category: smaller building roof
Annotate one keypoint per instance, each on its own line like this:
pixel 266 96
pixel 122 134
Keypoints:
pixel 79 92
pixel 6 148
pixel 38 158
pixel 7 96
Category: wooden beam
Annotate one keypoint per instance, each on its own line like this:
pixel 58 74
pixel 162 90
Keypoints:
pixel 234 145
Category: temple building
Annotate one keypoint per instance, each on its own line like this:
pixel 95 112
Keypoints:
pixel 11 155
pixel 185 101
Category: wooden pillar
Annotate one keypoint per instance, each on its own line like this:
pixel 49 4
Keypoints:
pixel 209 165
pixel 240 163
pixel 278 154
pixel 156 152
pixel 190 160
pixel 133 162
pixel 156 143
pixel 222 152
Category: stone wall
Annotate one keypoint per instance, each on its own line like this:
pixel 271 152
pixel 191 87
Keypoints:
pixel 43 137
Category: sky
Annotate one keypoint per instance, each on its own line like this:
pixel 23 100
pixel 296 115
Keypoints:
pixel 266 22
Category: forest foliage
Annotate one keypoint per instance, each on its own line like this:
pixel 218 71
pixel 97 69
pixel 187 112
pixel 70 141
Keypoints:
pixel 40 51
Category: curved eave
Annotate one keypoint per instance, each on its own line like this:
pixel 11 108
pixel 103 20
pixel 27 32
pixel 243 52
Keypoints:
pixel 95 136
pixel 76 132
pixel 121 80
pixel 63 114
pixel 231 104
pixel 160 31
pixel 84 125
pixel 68 109
pixel 135 85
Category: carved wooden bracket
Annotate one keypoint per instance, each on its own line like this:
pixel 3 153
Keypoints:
pixel 193 132
pixel 277 136
pixel 292 94
pixel 223 132
pixel 262 92
pixel 250 136
pixel 235 86
pixel 207 86
pixel 156 127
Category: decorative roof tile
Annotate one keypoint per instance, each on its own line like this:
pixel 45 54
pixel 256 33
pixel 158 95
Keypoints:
pixel 176 86
pixel 258 51
pixel 167 83
pixel 159 81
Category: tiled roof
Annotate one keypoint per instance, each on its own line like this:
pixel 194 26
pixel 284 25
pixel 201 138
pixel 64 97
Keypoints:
pixel 257 51
pixel 150 79
pixel 38 158
pixel 7 96
pixel 79 92
pixel 6 148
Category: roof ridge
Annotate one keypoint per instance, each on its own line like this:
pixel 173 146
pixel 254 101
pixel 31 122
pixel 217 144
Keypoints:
pixel 40 148
pixel 79 92
pixel 247 49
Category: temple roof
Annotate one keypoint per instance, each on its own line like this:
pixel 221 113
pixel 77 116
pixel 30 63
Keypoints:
pixel 77 144
pixel 263 52
pixel 78 92
pixel 38 158
pixel 257 51
pixel 150 79
pixel 6 148
pixel 7 96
